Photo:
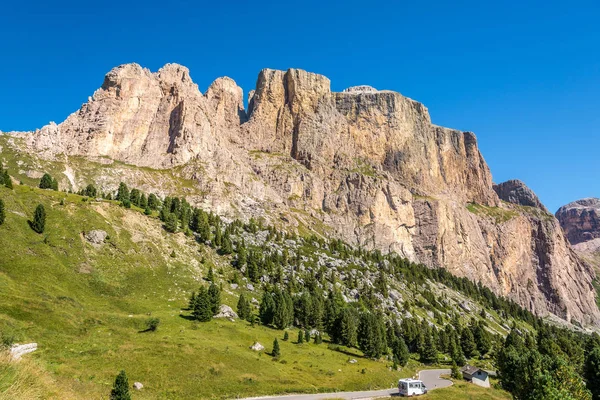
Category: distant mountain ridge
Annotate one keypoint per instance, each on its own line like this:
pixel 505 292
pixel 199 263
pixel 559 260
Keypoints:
pixel 364 165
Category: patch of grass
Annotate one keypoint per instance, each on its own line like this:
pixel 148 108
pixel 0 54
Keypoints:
pixel 462 390
pixel 364 168
pixel 596 284
pixel 498 214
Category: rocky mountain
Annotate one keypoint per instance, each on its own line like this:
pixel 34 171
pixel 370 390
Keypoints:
pixel 581 222
pixel 364 165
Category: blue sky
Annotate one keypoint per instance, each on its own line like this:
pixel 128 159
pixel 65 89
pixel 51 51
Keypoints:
pixel 524 76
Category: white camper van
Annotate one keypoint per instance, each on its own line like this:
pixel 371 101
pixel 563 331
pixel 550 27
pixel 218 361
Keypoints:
pixel 411 387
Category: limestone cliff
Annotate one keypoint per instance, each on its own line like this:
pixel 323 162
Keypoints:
pixel 581 222
pixel 365 165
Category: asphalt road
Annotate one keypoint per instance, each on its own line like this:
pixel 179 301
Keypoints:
pixel 431 379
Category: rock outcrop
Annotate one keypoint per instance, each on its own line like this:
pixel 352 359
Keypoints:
pixel 516 192
pixel 226 312
pixel 365 165
pixel 96 236
pixel 581 222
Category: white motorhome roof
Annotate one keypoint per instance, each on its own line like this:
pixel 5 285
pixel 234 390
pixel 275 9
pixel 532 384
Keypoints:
pixel 409 380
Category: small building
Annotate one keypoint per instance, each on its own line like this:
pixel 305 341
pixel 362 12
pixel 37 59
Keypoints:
pixel 476 376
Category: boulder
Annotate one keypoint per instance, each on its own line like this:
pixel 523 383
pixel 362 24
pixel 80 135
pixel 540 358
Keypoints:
pixel 138 386
pixel 96 236
pixel 226 312
pixel 257 347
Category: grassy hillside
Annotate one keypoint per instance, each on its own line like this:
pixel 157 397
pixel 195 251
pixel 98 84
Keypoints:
pixel 85 306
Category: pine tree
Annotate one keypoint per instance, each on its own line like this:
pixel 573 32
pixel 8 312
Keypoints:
pixel 143 201
pixel 120 390
pixel 46 182
pixel 276 351
pixel 2 212
pixel 400 351
pixel 218 235
pixel 171 223
pixel 214 294
pixel 283 313
pixel 211 275
pixel 153 201
pixel 300 337
pixel 428 352
pixel 39 219
pixel 243 307
pixel 318 338
pixel 226 248
pixel 455 374
pixel 306 336
pixel 371 335
pixel 252 268
pixel 592 372
pixel 90 191
pixel 122 192
pixel 7 180
pixel 202 307
pixel 204 228
pixel 266 311
pixel 192 301
pixel 482 339
pixel 456 354
pixel 467 342
pixel 241 255
pixel 134 197
pixel 348 327
pixel 286 336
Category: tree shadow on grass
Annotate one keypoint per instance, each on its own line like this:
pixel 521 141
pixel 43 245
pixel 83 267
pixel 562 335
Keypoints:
pixel 341 349
pixel 188 317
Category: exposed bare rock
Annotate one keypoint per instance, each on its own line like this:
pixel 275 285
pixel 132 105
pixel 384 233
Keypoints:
pixel 516 192
pixel 364 165
pixel 581 220
pixel 360 89
pixel 257 347
pixel 17 351
pixel 226 312
pixel 96 237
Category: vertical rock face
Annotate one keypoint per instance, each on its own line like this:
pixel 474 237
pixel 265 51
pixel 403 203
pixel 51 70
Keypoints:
pixel 156 120
pixel 581 222
pixel 364 165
